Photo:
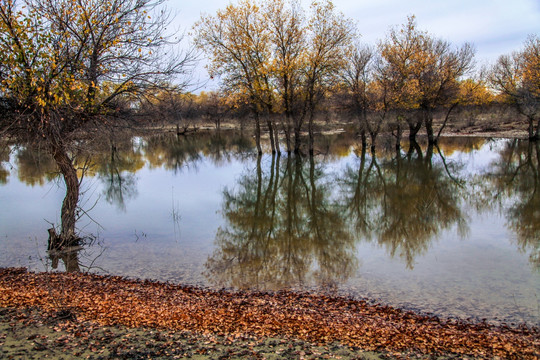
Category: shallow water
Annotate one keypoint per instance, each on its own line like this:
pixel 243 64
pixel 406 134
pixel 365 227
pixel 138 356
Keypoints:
pixel 453 231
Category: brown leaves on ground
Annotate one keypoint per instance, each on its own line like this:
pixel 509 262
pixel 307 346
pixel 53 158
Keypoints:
pixel 29 334
pixel 315 318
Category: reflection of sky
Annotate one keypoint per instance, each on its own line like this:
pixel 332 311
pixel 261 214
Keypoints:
pixel 26 208
pixel 195 195
pixel 478 161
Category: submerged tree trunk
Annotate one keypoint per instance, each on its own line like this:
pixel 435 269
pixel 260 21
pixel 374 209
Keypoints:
pixel 537 146
pixel 276 137
pixel 363 136
pixel 428 122
pixel 271 133
pixel 429 131
pixel 258 132
pixel 69 256
pixel 373 140
pixel 533 135
pixel 310 131
pixel 67 236
pixel 287 130
pixel 414 128
pixel 429 155
pixel 398 137
pixel 414 147
pixel 297 143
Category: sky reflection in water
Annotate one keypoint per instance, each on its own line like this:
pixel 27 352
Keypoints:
pixel 457 235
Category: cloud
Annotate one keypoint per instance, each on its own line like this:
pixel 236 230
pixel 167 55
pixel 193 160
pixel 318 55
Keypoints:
pixel 494 27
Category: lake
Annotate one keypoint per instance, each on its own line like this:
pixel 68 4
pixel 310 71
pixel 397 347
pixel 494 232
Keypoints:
pixel 452 230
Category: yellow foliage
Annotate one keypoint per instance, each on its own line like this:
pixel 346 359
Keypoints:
pixel 516 78
pixel 269 53
pixel 531 66
pixel 421 71
pixel 473 92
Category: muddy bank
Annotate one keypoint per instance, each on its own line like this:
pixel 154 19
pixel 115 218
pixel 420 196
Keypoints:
pixel 29 334
pixel 319 320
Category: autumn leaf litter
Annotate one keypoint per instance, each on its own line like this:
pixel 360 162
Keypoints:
pixel 86 311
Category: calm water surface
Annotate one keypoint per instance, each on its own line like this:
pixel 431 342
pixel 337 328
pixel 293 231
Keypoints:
pixel 453 230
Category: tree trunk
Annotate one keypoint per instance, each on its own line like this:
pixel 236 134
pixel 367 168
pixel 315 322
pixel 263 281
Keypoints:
pixel 258 132
pixel 414 147
pixel 429 131
pixel 362 126
pixel 364 138
pixel 310 131
pixel 414 128
pixel 68 218
pixel 373 140
pixel 276 138
pixel 70 258
pixel 534 135
pixel 428 122
pixel 429 155
pixel 271 133
pixel 297 139
pixel 398 137
pixel 287 129
pixel 538 158
pixel 92 81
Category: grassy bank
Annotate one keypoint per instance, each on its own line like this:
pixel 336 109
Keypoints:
pixel 82 313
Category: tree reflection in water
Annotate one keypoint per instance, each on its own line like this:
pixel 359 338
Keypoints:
pixel 4 160
pixel 177 152
pixel 293 221
pixel 114 159
pixel 287 225
pixel 361 188
pixel 115 164
pixel 515 176
pixel 35 165
pixel 402 203
pixel 420 200
pixel 283 229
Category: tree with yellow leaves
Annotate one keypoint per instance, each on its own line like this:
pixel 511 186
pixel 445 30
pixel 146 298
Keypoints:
pixel 286 22
pixel 517 78
pixel 237 41
pixel 64 66
pixel 357 84
pixel 423 73
pixel 278 59
pixel 330 36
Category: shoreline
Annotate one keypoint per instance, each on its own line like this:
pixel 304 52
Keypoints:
pixel 510 133
pixel 311 318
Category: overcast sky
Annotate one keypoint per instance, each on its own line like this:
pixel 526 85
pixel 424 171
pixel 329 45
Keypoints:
pixel 495 27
